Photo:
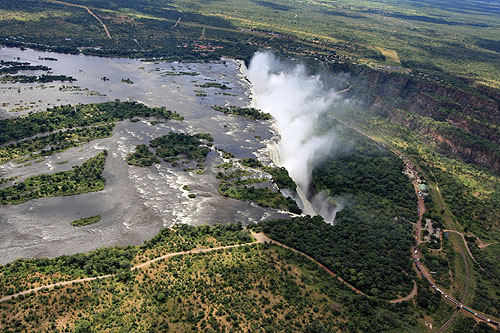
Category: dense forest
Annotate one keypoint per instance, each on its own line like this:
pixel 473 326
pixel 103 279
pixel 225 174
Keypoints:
pixel 369 246
pixel 374 259
pixel 370 177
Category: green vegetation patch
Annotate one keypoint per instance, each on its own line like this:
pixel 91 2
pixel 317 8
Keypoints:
pixel 244 112
pixel 181 73
pixel 25 274
pixel 13 67
pixel 142 157
pixel 44 78
pixel 427 297
pixel 372 233
pixel 67 116
pixel 81 179
pixel 174 147
pixel 213 85
pixel 235 181
pixel 86 221
pixel 468 324
pixel 29 149
pixel 488 279
pixel 373 177
pixel 473 196
pixel 264 197
pixel 184 238
pixel 439 268
pixel 251 163
pixel 280 175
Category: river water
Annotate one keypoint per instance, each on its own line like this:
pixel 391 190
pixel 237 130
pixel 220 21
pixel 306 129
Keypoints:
pixel 136 202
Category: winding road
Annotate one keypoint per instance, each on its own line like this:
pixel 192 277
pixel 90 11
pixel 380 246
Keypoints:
pixel 260 239
pixel 462 246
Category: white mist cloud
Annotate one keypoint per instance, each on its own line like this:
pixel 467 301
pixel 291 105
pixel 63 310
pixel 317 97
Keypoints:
pixel 297 101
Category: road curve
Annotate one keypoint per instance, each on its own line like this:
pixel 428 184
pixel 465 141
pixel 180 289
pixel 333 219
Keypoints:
pixel 465 242
pixel 407 298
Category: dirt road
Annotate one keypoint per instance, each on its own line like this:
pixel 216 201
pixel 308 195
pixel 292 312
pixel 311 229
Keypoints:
pixel 50 286
pixel 87 9
pixel 260 237
pixel 263 238
pixel 407 298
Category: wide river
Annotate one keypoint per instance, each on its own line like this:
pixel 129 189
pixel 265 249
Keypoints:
pixel 136 202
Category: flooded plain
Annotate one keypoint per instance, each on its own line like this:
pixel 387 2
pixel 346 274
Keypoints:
pixel 136 201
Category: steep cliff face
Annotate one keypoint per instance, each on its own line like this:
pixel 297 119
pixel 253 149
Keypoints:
pixel 481 101
pixel 479 152
pixel 464 120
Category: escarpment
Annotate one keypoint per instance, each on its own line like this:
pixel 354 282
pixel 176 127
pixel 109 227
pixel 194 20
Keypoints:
pixel 462 121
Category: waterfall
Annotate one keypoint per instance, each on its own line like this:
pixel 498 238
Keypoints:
pixel 300 197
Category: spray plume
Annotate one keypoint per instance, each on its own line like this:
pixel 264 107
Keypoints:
pixel 297 101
